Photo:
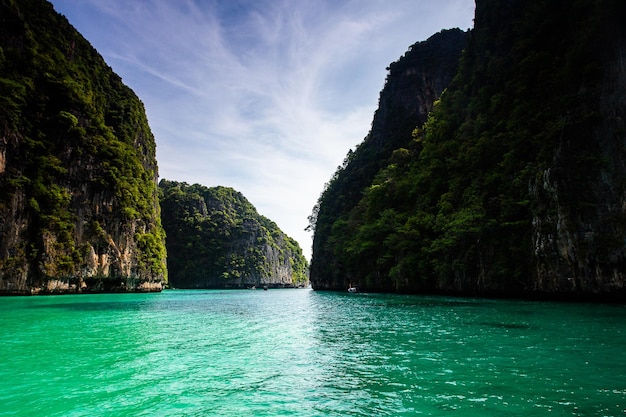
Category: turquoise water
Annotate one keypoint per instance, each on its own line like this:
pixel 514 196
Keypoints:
pixel 306 353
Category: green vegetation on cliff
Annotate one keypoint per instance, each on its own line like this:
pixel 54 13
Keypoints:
pixel 414 82
pixel 78 191
pixel 515 184
pixel 216 239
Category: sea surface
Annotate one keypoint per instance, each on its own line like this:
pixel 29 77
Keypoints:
pixel 307 353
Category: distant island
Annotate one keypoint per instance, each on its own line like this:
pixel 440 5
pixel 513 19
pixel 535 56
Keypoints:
pixel 217 239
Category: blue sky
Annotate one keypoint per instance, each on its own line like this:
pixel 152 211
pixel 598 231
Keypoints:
pixel 265 96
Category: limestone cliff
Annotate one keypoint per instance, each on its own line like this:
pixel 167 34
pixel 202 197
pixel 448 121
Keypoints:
pixel 78 174
pixel 216 239
pixel 515 185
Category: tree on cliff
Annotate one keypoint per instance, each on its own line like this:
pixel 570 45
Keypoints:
pixel 217 239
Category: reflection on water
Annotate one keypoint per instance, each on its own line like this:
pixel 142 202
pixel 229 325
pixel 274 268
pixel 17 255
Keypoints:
pixel 305 353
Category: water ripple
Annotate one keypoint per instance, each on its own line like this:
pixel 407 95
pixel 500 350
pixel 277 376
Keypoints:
pixel 302 353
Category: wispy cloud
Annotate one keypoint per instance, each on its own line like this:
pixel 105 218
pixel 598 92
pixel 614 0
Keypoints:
pixel 265 96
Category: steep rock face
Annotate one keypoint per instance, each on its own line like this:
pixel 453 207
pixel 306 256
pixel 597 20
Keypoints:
pixel 548 85
pixel 579 210
pixel 516 184
pixel 216 239
pixel 78 174
pixel 413 84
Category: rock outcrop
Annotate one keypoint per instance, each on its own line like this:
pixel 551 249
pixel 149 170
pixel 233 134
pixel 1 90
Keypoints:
pixel 78 174
pixel 217 239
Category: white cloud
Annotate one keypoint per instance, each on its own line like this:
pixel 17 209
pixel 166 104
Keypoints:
pixel 263 96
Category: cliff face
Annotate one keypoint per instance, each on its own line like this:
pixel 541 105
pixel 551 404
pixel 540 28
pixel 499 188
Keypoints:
pixel 413 84
pixel 579 196
pixel 216 239
pixel 516 184
pixel 78 174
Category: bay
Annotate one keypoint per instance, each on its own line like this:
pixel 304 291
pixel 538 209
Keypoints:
pixel 307 353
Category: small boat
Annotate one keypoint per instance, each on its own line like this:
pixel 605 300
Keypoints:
pixel 352 289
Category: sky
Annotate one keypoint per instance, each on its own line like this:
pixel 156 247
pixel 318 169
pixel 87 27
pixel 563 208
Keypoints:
pixel 264 96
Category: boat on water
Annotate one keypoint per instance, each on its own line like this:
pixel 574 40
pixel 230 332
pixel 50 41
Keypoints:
pixel 352 289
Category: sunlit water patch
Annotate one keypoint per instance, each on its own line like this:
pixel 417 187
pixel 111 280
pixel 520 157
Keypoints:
pixel 305 353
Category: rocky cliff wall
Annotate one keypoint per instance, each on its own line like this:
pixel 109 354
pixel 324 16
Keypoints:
pixel 515 186
pixel 78 174
pixel 579 215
